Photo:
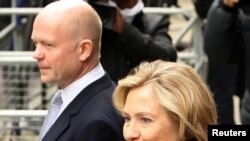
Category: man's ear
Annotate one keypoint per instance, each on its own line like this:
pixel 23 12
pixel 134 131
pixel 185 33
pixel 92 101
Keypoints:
pixel 85 49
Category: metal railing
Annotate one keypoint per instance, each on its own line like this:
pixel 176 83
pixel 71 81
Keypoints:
pixel 192 24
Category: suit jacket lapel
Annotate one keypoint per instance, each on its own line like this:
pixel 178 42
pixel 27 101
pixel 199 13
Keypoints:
pixel 74 107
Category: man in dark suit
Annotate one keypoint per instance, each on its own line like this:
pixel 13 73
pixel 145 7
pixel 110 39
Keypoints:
pixel 67 37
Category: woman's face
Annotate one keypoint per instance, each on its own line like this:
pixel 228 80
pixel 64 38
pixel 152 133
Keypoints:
pixel 145 119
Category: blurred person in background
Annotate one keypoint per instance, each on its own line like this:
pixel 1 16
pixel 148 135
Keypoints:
pixel 226 44
pixel 6 41
pixel 165 101
pixel 131 36
pixel 244 23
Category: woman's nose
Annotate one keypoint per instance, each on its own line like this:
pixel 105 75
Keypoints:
pixel 130 131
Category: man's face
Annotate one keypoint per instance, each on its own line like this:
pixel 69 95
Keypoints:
pixel 55 52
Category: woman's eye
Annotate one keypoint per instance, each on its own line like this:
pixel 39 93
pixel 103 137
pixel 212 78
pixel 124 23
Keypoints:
pixel 146 120
pixel 126 118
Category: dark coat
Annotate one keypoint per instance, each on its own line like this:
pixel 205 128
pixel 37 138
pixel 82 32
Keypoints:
pixel 145 39
pixel 223 41
pixel 244 21
pixel 89 117
pixel 225 48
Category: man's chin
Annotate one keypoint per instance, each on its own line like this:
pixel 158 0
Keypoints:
pixel 46 80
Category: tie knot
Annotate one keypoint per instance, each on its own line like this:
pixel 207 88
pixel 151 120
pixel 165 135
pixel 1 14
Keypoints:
pixel 57 99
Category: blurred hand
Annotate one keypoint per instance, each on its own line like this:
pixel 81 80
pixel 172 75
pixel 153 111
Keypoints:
pixel 119 21
pixel 230 3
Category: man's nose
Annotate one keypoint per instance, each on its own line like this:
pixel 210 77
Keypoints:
pixel 38 54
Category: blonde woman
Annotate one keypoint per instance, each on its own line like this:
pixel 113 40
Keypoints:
pixel 165 101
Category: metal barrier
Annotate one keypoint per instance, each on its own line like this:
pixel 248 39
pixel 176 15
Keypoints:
pixel 20 85
pixel 193 24
pixel 20 124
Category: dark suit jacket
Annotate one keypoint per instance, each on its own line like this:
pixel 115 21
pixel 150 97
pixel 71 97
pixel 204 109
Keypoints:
pixel 90 116
pixel 146 39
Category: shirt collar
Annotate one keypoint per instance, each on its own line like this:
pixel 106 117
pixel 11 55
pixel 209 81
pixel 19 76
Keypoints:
pixel 71 91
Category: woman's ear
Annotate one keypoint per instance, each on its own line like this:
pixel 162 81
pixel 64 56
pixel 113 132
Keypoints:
pixel 85 49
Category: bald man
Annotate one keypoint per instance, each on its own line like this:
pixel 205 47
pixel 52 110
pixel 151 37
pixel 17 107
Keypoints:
pixel 67 36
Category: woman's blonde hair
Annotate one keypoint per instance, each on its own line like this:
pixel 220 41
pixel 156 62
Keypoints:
pixel 179 90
